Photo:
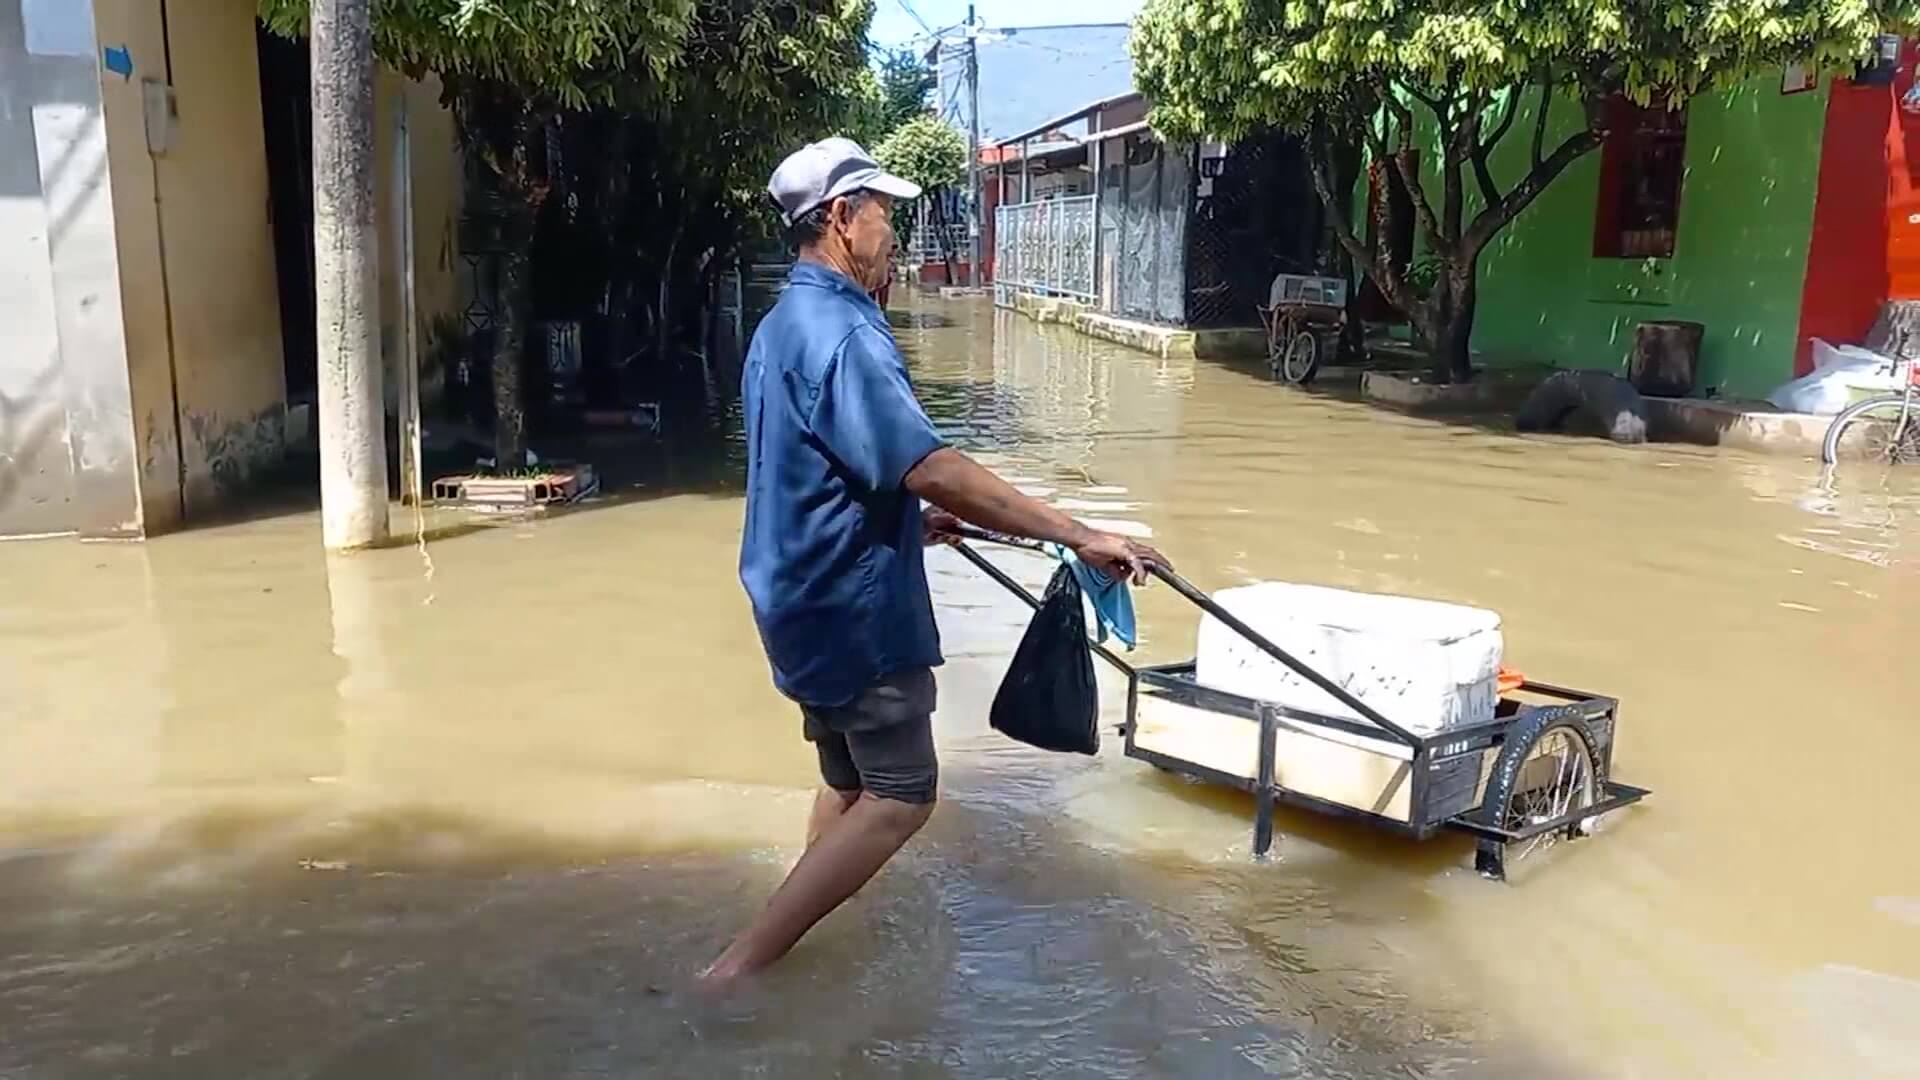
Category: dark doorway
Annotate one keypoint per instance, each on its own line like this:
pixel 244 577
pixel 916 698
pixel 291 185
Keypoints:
pixel 286 108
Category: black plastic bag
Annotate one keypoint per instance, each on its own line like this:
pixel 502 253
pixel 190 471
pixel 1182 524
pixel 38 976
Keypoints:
pixel 1049 698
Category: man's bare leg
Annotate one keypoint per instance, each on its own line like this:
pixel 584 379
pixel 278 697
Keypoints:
pixel 847 854
pixel 827 808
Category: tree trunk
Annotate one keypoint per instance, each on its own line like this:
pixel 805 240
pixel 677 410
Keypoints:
pixel 663 304
pixel 352 412
pixel 941 233
pixel 509 346
pixel 513 142
pixel 1450 318
pixel 1346 162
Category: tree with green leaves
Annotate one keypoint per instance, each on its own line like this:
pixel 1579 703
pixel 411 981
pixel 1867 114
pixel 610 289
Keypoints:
pixel 1435 89
pixel 693 99
pixel 906 85
pixel 932 154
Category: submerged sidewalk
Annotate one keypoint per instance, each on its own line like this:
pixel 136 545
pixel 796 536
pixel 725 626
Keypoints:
pixel 1736 424
pixel 1733 423
pixel 1166 342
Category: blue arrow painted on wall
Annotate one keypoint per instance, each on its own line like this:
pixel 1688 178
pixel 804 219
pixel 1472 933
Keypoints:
pixel 118 60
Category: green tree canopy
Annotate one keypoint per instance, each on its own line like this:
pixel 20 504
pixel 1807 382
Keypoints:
pixel 932 154
pixel 891 91
pixel 1451 79
pixel 906 82
pixel 926 151
pixel 574 51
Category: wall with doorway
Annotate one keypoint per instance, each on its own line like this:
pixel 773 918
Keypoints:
pixel 200 236
pixel 195 248
pixel 1739 256
pixel 1866 223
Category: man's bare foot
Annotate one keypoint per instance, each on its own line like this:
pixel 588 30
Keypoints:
pixel 717 980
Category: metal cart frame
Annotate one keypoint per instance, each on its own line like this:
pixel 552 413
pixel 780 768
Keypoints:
pixel 1460 779
pixel 1302 315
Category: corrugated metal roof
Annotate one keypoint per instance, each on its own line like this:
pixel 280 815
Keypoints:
pixel 1054 123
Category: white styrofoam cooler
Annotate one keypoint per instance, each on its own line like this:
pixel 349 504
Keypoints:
pixel 1425 665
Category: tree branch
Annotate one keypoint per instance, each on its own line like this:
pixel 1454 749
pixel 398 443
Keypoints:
pixel 1495 217
pixel 1376 265
pixel 1489 191
pixel 1482 150
pixel 1318 156
pixel 1540 121
pixel 1466 136
pixel 1409 175
pixel 1514 94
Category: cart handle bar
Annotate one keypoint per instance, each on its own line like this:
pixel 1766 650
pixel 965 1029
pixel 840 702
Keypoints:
pixel 1204 603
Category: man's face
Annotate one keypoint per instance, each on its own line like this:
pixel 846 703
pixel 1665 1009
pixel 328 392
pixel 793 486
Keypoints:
pixel 867 226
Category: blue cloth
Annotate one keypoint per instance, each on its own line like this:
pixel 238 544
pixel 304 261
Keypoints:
pixel 833 554
pixel 1112 600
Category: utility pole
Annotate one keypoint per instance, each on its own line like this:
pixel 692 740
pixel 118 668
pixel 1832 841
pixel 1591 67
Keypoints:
pixel 353 445
pixel 973 149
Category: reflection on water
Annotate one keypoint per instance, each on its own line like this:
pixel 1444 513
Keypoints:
pixel 477 807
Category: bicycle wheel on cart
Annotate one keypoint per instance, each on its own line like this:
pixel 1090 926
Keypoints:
pixel 1883 429
pixel 1301 359
pixel 1548 769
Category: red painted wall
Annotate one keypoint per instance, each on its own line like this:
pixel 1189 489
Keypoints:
pixel 1865 247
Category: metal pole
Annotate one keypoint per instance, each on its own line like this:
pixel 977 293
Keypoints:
pixel 409 373
pixel 1263 780
pixel 353 446
pixel 1096 156
pixel 973 146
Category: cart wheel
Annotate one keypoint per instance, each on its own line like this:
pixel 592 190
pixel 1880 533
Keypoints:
pixel 1302 358
pixel 1548 768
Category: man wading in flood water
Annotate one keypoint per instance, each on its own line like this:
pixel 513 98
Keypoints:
pixel 840 456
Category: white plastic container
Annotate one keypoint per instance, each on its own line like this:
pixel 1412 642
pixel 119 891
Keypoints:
pixel 1425 665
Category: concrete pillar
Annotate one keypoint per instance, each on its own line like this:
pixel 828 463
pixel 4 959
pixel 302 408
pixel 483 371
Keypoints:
pixel 353 449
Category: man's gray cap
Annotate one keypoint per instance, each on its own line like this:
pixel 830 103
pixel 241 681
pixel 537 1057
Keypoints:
pixel 821 172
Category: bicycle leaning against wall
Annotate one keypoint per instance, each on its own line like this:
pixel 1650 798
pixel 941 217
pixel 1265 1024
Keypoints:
pixel 1883 428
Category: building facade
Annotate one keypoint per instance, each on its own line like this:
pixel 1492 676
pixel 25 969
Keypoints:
pixel 1778 211
pixel 149 329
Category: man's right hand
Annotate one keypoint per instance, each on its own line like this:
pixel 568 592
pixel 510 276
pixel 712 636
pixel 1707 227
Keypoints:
pixel 1119 558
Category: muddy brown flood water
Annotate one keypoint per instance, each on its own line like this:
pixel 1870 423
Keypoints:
pixel 477 807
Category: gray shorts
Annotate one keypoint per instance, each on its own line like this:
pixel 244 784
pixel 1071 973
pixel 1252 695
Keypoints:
pixel 882 741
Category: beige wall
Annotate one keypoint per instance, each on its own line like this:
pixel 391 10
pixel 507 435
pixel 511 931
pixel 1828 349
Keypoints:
pixel 219 252
pixel 137 238
pixel 195 245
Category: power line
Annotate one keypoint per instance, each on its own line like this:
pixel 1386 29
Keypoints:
pixel 908 8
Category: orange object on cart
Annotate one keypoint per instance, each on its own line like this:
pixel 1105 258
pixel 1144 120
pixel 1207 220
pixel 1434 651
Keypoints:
pixel 1510 680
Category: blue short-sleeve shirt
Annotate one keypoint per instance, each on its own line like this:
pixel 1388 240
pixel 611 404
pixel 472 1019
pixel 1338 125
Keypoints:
pixel 833 557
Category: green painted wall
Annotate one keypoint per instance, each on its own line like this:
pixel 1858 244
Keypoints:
pixel 1746 212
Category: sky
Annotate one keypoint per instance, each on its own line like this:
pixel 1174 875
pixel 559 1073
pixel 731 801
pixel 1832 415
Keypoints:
pixel 893 25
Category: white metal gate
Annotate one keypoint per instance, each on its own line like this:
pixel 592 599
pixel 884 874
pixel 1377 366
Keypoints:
pixel 1044 247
